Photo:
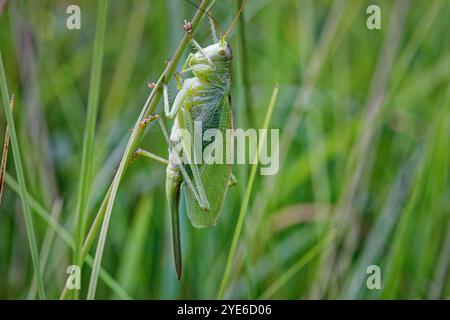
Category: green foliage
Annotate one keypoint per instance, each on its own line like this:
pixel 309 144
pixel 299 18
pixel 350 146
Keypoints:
pixel 364 169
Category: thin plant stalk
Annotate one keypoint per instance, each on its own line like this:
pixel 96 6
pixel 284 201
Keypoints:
pixel 46 245
pixel 246 199
pixel 21 179
pixel 89 133
pixel 244 68
pixel 4 157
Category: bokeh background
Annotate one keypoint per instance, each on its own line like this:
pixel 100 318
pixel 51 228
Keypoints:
pixel 364 119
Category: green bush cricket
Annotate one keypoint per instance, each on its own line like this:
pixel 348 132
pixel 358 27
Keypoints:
pixel 203 98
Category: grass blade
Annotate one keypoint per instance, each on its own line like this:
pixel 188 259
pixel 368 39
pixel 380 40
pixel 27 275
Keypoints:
pixel 21 179
pixel 5 154
pixel 88 140
pixel 46 246
pixel 246 199
pixel 304 260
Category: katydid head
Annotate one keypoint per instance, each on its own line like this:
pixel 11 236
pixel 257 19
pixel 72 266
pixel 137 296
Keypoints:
pixel 217 53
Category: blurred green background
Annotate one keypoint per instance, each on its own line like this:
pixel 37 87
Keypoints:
pixel 364 119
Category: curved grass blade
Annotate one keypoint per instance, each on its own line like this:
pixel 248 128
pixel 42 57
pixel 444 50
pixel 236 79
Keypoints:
pixel 21 179
pixel 246 199
pixel 5 154
pixel 304 260
pixel 88 140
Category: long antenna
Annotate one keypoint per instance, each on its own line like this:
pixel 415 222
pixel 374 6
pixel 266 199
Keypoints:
pixel 216 24
pixel 235 19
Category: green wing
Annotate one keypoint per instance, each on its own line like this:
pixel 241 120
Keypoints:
pixel 215 177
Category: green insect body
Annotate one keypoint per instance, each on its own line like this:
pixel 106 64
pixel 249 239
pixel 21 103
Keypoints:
pixel 203 98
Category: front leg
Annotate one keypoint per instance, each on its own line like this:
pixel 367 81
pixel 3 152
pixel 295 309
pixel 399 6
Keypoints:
pixel 178 102
pixel 187 26
pixel 185 67
pixel 180 96
pixel 178 76
pixel 200 49
pixel 179 79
